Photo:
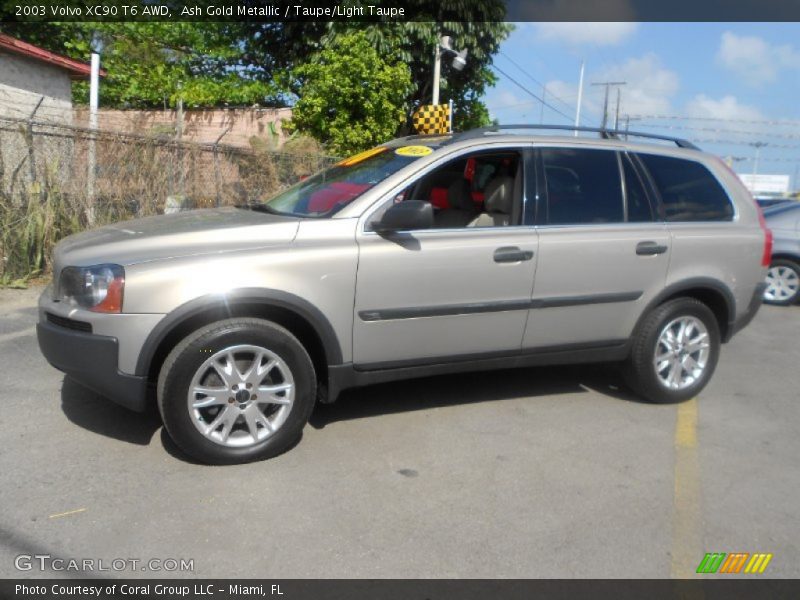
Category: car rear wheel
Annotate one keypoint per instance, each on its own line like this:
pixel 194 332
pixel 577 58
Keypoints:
pixel 783 283
pixel 236 390
pixel 674 351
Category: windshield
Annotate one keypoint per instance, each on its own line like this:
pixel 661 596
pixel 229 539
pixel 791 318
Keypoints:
pixel 327 192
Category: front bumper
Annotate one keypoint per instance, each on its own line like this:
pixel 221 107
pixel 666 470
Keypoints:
pixel 92 360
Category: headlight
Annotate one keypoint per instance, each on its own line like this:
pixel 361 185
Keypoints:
pixel 98 288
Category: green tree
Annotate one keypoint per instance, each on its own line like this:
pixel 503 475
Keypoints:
pixel 477 25
pixel 350 97
pixel 237 63
pixel 480 33
pixel 153 64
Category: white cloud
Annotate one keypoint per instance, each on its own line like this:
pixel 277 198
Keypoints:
pixel 727 107
pixel 507 99
pixel 504 103
pixel 754 60
pixel 576 34
pixel 649 88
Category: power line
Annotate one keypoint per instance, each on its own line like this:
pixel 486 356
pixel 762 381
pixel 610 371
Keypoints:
pixel 742 143
pixel 750 121
pixel 515 105
pixel 532 78
pixel 786 136
pixel 530 93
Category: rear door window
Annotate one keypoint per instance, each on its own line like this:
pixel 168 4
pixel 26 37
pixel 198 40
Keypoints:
pixel 583 186
pixel 688 190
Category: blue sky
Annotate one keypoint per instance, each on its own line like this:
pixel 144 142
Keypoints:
pixel 726 82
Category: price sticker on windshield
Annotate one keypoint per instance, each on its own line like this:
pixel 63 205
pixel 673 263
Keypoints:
pixel 415 151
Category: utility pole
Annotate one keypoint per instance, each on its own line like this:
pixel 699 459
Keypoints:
pixel 628 120
pixel 616 116
pixel 607 85
pixel 758 146
pixel 580 98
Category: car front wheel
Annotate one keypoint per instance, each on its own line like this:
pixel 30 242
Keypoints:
pixel 783 283
pixel 674 352
pixel 236 390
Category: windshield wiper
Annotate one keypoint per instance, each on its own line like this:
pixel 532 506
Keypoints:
pixel 262 208
pixel 269 210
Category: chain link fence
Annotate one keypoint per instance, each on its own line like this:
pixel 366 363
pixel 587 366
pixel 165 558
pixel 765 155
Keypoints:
pixel 57 179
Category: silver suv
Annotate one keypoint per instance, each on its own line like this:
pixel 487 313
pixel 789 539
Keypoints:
pixel 426 255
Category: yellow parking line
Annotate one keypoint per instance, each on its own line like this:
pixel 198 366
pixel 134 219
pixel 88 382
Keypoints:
pixel 66 514
pixel 687 548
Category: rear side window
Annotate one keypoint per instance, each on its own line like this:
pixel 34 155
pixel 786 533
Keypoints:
pixel 583 186
pixel 689 192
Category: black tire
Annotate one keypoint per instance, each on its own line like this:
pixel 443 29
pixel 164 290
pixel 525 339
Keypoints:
pixel 639 370
pixel 189 355
pixel 793 267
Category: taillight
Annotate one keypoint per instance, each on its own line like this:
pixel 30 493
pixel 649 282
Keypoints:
pixel 766 258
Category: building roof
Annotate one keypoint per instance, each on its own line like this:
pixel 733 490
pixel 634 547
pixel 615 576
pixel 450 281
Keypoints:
pixel 76 69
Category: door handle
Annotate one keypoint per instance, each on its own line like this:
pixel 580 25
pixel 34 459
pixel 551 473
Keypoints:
pixel 650 248
pixel 512 254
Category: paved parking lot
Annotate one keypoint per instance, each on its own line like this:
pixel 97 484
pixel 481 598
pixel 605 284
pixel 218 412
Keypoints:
pixel 529 473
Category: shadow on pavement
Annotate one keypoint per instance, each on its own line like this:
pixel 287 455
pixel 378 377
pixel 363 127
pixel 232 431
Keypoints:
pixel 466 388
pixel 100 415
pixel 91 411
pixel 18 543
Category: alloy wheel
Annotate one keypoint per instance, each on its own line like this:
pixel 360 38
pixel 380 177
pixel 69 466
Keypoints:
pixel 241 395
pixel 682 352
pixel 782 283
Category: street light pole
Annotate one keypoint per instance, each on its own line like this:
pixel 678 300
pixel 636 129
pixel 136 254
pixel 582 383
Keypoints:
pixel 541 109
pixel 580 98
pixel 437 69
pixel 91 159
pixel 459 62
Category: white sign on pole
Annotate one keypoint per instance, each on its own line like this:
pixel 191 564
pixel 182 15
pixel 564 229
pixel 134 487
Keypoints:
pixel 765 184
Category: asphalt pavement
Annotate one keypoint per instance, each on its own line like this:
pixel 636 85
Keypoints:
pixel 550 472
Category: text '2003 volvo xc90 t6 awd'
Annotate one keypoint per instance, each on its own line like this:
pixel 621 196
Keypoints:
pixel 426 255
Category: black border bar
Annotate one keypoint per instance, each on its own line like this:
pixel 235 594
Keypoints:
pixel 734 588
pixel 394 11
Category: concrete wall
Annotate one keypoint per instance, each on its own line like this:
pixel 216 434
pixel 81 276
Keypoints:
pixel 23 81
pixel 24 161
pixel 199 125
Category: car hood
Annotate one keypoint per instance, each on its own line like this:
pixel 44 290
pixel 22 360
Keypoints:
pixel 190 233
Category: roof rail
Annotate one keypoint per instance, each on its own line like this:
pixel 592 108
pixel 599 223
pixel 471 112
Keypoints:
pixel 604 133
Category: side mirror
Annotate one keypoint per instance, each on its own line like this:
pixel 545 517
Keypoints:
pixel 411 214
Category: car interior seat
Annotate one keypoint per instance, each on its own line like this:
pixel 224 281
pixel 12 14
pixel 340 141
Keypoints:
pixel 462 207
pixel 498 203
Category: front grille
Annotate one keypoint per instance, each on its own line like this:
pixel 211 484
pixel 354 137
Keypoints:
pixel 69 323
